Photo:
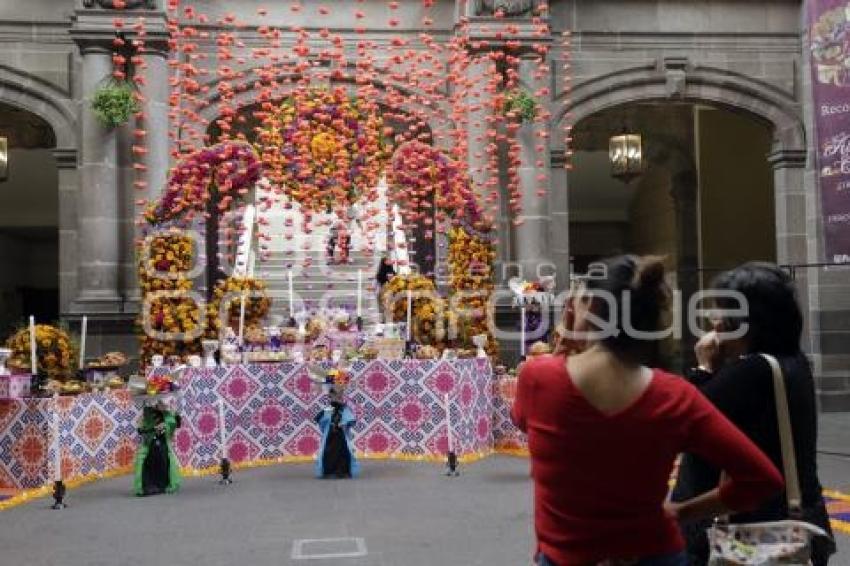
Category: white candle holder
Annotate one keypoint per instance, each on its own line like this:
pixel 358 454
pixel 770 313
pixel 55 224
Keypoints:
pixel 229 354
pixel 480 340
pixel 301 319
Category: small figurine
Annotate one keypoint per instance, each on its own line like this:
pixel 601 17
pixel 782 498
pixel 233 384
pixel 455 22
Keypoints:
pixel 157 469
pixel 336 454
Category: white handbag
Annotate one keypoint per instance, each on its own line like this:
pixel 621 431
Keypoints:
pixel 785 543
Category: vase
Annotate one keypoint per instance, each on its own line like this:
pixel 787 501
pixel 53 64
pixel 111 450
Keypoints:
pixel 210 348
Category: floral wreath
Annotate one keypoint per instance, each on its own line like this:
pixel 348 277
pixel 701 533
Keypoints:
pixel 324 148
pixel 420 173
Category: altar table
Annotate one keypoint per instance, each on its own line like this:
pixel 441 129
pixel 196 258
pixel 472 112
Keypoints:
pixel 269 410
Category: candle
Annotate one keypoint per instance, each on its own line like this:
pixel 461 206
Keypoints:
pixel 83 332
pixel 221 432
pixel 291 294
pixel 359 292
pixel 242 320
pixel 522 331
pixel 409 313
pixel 57 446
pixel 33 348
pixel 449 423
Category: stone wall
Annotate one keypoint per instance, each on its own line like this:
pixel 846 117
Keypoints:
pixel 745 55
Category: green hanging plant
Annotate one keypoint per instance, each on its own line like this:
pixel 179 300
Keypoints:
pixel 114 103
pixel 521 104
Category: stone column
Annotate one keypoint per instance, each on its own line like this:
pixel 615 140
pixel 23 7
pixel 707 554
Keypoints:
pixel 155 92
pixel 791 240
pixel 155 107
pixel 684 192
pixel 790 204
pixel 559 226
pixel 479 119
pixel 69 182
pixel 824 291
pixel 532 235
pixel 98 202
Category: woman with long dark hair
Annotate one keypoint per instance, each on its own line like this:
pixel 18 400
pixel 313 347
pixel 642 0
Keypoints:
pixel 739 382
pixel 604 431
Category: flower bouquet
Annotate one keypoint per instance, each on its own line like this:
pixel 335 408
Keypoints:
pixel 338 377
pixel 56 354
pixel 161 384
pixel 315 328
pixel 533 292
pixel 343 321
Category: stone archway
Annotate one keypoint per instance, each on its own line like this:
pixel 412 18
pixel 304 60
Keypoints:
pixel 436 117
pixel 675 80
pixel 31 94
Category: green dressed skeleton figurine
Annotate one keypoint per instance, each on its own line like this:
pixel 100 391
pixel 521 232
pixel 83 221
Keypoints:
pixel 157 468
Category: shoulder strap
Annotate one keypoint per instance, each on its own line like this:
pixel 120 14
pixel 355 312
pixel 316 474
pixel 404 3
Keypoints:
pixel 786 437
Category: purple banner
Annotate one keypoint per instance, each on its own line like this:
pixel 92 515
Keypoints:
pixel 829 32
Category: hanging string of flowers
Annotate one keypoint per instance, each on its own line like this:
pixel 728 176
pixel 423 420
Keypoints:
pixel 424 182
pixel 323 148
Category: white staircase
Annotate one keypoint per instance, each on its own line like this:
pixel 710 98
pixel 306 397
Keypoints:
pixel 286 244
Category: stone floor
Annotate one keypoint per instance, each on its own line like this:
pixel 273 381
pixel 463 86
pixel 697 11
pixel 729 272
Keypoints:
pixel 406 514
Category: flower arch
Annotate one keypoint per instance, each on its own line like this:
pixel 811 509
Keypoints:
pixel 224 174
pixel 226 171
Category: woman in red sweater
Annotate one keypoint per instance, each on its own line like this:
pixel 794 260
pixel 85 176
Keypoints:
pixel 604 431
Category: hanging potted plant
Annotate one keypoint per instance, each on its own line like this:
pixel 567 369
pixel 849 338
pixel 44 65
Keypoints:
pixel 520 104
pixel 114 102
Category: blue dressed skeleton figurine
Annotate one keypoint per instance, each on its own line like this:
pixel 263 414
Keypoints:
pixel 336 454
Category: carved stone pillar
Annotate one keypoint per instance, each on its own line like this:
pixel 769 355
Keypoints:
pixel 155 159
pixel 69 183
pixel 532 235
pixel 98 209
pixel 559 224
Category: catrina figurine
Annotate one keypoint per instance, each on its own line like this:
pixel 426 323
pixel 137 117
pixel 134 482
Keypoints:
pixel 157 468
pixel 336 454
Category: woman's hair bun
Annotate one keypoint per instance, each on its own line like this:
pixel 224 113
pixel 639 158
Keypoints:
pixel 649 273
